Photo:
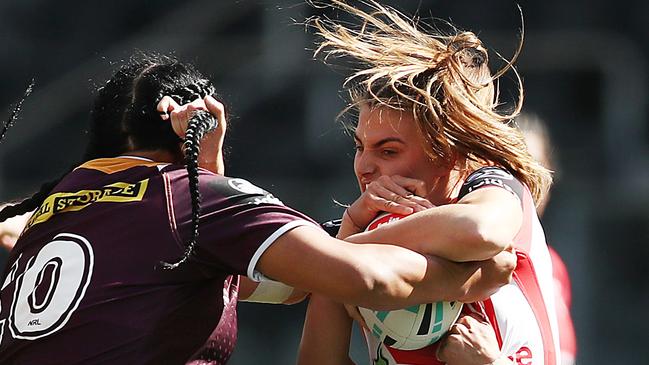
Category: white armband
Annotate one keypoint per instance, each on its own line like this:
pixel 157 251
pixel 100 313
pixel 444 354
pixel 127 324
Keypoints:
pixel 269 291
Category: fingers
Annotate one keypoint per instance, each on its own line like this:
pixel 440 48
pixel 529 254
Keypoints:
pixel 187 111
pixel 414 186
pixel 478 318
pixel 386 200
pixel 470 340
pixel 470 320
pixel 388 195
pixel 166 106
pixel 394 186
pixel 216 108
pixel 449 345
pixel 404 188
pixel 179 115
pixel 464 324
pixel 452 343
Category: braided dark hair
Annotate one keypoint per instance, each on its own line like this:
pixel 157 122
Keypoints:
pixel 28 204
pixel 146 130
pixel 107 134
pixel 124 117
pixel 107 138
pixel 198 125
pixel 14 113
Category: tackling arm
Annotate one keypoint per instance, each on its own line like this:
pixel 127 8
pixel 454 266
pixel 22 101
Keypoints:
pixel 480 225
pixel 378 276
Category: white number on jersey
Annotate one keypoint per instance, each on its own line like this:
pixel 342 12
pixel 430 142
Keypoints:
pixel 51 287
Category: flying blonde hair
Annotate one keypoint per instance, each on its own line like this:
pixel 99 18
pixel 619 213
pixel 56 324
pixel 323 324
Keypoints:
pixel 443 79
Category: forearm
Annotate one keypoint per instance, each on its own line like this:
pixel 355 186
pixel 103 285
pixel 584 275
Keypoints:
pixel 374 275
pixel 326 334
pixel 457 232
pixel 211 158
pixel 415 279
pixel 466 282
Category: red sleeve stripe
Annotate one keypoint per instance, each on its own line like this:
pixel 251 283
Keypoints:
pixel 525 277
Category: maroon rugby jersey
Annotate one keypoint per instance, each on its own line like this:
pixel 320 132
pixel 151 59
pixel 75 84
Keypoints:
pixel 84 285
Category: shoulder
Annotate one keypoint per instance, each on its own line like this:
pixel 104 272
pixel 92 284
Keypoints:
pixel 493 176
pixel 212 185
pixel 235 186
pixel 238 189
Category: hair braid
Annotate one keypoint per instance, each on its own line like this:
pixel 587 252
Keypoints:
pixel 142 124
pixel 198 125
pixel 35 200
pixel 14 113
pixel 32 202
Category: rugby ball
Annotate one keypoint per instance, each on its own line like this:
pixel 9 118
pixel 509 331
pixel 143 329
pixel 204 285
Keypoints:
pixel 414 327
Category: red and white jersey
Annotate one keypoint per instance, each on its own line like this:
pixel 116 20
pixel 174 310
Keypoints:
pixel 522 313
pixel 563 298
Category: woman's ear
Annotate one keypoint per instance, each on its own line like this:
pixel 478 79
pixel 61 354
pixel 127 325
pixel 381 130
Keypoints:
pixel 453 163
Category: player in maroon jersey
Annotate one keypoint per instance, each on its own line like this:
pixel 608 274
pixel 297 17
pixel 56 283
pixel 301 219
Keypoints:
pixel 134 256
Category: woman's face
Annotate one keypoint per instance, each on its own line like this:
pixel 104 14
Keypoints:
pixel 388 142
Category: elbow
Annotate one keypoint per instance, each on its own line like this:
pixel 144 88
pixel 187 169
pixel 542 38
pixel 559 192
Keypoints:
pixel 488 276
pixel 483 232
pixel 491 239
pixel 378 288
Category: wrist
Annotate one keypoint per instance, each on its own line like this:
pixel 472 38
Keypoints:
pixel 348 217
pixel 347 227
pixel 209 165
pixel 360 215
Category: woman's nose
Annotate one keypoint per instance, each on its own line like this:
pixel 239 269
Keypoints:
pixel 365 167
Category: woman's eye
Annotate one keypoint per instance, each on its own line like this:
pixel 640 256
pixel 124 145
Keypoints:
pixel 389 152
pixel 358 148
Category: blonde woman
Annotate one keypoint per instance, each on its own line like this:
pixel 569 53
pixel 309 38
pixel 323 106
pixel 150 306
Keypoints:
pixel 428 127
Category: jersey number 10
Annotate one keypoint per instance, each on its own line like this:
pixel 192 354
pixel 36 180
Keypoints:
pixel 50 288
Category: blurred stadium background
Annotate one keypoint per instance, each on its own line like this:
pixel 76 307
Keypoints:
pixel 585 65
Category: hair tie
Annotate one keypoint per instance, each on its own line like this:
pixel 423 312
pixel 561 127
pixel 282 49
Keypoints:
pixel 468 50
